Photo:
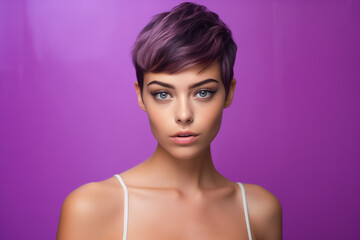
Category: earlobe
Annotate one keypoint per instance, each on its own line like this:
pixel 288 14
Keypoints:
pixel 230 95
pixel 139 97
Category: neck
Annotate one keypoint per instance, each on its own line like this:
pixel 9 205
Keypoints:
pixel 191 174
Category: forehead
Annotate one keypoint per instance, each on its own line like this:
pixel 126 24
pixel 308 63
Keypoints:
pixel 187 76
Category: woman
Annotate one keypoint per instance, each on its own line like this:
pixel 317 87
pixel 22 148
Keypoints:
pixel 184 65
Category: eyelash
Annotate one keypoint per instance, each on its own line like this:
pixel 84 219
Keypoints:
pixel 156 95
pixel 209 92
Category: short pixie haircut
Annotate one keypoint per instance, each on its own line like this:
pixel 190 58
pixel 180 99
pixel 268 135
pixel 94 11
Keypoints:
pixel 188 35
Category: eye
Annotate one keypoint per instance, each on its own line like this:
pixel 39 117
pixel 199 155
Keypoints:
pixel 204 93
pixel 161 95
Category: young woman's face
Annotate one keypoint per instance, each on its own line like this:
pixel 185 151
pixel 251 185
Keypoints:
pixel 185 108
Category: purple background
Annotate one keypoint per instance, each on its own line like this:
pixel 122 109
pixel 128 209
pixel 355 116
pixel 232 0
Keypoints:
pixel 68 110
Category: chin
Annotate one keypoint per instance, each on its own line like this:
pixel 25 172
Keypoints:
pixel 186 152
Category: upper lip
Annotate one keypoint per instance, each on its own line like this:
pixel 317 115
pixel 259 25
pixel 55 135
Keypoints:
pixel 184 133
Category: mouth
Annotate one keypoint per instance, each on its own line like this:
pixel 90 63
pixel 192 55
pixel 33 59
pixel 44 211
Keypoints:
pixel 184 134
pixel 184 137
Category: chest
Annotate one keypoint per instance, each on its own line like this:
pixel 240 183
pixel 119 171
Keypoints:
pixel 169 217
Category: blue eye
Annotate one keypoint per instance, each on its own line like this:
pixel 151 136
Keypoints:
pixel 161 95
pixel 204 93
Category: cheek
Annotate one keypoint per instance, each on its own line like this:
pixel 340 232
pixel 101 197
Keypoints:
pixel 210 119
pixel 157 120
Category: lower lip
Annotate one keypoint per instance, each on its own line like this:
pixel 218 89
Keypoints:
pixel 184 140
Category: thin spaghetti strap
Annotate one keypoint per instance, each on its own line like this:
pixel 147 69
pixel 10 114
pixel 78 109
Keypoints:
pixel 245 210
pixel 126 205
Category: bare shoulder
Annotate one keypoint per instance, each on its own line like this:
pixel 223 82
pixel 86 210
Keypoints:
pixel 265 212
pixel 88 211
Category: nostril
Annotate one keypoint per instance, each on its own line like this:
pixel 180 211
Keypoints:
pixel 188 119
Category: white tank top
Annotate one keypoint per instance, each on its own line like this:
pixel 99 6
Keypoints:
pixel 126 207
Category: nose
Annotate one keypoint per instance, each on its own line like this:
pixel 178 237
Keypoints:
pixel 184 113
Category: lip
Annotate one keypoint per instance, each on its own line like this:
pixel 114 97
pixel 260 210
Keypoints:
pixel 190 137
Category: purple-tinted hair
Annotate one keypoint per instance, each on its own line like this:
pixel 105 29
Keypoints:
pixel 188 35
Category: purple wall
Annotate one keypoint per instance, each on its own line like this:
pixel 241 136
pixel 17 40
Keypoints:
pixel 68 111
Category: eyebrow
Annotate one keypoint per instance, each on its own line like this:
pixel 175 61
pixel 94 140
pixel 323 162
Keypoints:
pixel 192 86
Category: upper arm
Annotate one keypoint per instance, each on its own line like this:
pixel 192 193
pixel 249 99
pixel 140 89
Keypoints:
pixel 82 214
pixel 265 213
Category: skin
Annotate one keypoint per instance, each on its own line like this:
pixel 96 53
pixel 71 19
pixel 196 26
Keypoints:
pixel 177 193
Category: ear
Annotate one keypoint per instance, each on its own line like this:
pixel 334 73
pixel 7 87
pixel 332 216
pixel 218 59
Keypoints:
pixel 139 97
pixel 230 95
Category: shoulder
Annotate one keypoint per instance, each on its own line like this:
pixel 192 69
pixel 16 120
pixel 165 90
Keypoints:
pixel 265 212
pixel 87 210
pixel 94 198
